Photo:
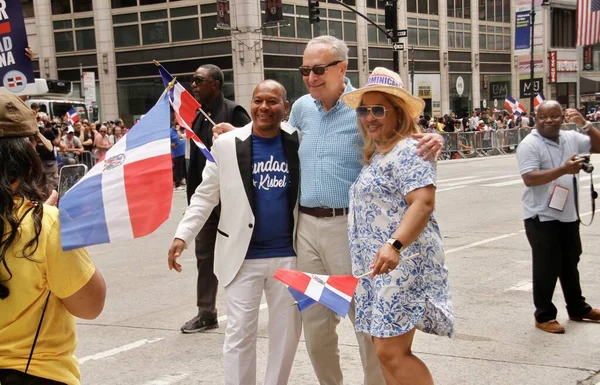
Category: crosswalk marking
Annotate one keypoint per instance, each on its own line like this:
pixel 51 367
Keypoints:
pixel 455 179
pixel 480 180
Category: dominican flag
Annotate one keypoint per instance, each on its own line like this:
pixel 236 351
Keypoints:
pixel 128 194
pixel 538 100
pixel 185 107
pixel 16 81
pixel 513 105
pixel 334 291
pixel 72 116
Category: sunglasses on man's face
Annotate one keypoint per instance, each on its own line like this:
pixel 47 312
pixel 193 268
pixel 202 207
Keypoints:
pixel 198 80
pixel 318 70
pixel 377 111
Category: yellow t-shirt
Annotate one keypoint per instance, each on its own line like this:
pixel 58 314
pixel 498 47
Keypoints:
pixel 49 268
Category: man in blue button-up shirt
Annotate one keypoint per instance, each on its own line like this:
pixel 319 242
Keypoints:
pixel 330 154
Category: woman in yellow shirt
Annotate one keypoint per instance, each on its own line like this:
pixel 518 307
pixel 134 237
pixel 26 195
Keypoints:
pixel 42 287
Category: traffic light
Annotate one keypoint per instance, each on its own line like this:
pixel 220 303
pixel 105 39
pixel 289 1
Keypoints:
pixel 313 11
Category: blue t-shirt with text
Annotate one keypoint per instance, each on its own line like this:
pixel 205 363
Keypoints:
pixel 272 235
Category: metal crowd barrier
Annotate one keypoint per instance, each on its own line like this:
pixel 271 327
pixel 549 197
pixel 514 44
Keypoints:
pixel 486 143
pixel 87 158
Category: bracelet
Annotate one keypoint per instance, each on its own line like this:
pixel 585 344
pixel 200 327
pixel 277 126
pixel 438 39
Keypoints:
pixel 586 127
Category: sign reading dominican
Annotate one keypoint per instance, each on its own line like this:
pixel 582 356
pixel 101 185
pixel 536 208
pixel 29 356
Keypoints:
pixel 16 69
pixel 523 30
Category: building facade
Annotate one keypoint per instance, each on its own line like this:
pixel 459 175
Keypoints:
pixel 459 54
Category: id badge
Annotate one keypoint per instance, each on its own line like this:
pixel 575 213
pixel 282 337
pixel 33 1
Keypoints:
pixel 558 198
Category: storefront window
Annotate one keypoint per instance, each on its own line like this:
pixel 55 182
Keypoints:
pixel 461 93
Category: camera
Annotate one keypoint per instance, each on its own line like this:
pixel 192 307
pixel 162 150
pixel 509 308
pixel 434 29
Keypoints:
pixel 586 165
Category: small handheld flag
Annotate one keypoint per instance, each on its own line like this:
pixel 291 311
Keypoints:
pixel 539 98
pixel 334 291
pixel 129 194
pixel 72 116
pixel 514 106
pixel 185 106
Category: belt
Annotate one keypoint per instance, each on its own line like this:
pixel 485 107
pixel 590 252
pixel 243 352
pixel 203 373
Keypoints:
pixel 323 212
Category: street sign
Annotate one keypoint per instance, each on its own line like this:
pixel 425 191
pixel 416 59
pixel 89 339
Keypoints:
pixel 402 33
pixel 398 46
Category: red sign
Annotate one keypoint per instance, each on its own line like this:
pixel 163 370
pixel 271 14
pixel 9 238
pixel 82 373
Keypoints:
pixel 588 58
pixel 552 61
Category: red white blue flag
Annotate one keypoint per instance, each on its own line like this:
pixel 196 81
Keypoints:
pixel 538 100
pixel 513 105
pixel 72 116
pixel 334 291
pixel 185 107
pixel 128 194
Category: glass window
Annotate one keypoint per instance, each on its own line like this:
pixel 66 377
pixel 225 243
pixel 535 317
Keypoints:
pixel 155 33
pixel 450 6
pixel 423 22
pixel 85 39
pixel 506 40
pixel 303 28
pixel 186 29
pixel 185 11
pixel 27 6
pixel 499 30
pixel 411 6
pixel 302 10
pixel 458 8
pixel 126 18
pixel 153 15
pixel 208 8
pixel 433 7
pixel 423 37
pixel 63 41
pixel 451 39
pixel 499 42
pixel 482 42
pixel 148 2
pixel 422 6
pixel 458 26
pixel 411 21
pixel 467 13
pixel 507 31
pixel 451 25
pixel 506 11
pixel 499 10
pixel 434 24
pixel 350 31
pixel 482 9
pixel 490 29
pixel 372 32
pixel 335 14
pixel 482 28
pixel 434 37
pixel 209 23
pixel 62 24
pixel 412 36
pixel 335 29
pixel 87 22
pixel 459 40
pixel 467 40
pixel 60 7
pixel 288 9
pixel 349 16
pixel 490 42
pixel 489 16
pixel 288 31
pixel 123 3
pixel 126 36
pixel 82 5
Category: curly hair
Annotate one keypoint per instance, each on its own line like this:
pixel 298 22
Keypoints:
pixel 21 176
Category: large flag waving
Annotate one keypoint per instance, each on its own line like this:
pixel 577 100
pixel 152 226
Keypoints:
pixel 334 291
pixel 588 22
pixel 185 108
pixel 72 116
pixel 513 105
pixel 128 194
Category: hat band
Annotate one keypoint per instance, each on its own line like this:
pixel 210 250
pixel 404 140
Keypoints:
pixel 382 80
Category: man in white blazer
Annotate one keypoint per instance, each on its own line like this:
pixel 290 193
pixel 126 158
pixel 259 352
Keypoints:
pixel 256 179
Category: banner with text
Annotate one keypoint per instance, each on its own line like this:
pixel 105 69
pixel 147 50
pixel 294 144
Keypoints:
pixel 16 69
pixel 523 30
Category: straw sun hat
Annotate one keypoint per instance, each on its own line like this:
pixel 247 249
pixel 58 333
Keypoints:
pixel 388 82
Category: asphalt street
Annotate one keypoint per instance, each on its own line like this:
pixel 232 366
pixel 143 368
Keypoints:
pixel 137 341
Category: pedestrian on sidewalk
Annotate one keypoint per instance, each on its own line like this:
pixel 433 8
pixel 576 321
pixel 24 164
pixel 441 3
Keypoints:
pixel 255 178
pixel 391 218
pixel 547 163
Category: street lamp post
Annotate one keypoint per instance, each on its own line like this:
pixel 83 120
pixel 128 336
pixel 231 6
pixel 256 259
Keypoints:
pixel 531 73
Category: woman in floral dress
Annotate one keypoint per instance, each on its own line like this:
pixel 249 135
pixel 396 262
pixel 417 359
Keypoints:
pixel 394 233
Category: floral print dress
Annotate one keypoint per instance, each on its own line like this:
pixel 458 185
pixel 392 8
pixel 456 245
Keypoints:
pixel 416 293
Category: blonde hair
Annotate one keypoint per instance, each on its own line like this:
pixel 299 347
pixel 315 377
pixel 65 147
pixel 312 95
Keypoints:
pixel 405 127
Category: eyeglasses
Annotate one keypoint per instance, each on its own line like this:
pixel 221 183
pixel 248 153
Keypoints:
pixel 377 111
pixel 318 70
pixel 199 80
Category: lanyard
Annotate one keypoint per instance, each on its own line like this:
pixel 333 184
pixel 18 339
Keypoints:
pixel 560 148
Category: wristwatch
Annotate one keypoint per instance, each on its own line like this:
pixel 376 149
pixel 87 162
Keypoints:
pixel 586 127
pixel 396 244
